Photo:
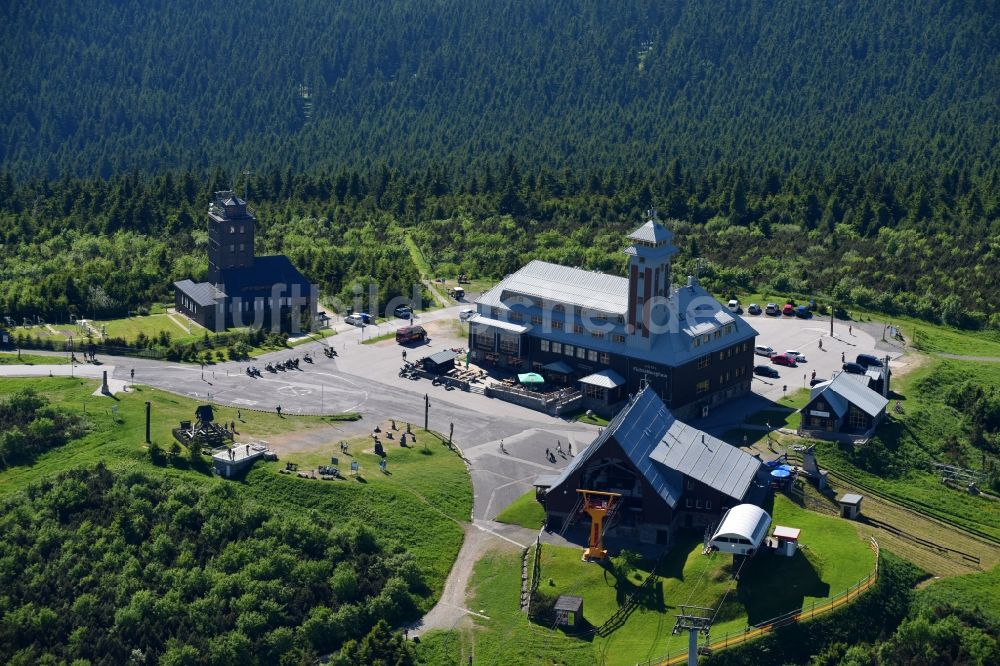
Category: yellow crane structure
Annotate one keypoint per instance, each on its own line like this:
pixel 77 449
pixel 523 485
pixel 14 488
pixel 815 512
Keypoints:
pixel 597 505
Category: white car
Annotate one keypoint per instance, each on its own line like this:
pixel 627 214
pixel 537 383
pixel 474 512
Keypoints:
pixel 763 350
pixel 798 356
pixel 354 320
pixel 466 314
pixel 734 305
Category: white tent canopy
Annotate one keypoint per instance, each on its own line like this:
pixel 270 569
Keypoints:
pixel 742 530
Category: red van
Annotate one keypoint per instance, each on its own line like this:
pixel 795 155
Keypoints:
pixel 409 334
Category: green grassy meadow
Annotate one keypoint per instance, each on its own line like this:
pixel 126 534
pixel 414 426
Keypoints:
pixel 12 358
pixel 420 503
pixel 832 559
pixel 525 511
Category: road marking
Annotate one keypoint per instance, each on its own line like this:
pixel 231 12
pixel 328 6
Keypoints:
pixel 498 535
pixel 465 610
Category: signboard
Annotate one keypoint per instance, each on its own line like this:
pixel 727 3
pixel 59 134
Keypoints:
pixel 354 466
pixel 650 370
pixel 816 412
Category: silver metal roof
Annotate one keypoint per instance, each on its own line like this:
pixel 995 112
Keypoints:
pixel 562 284
pixel 202 293
pixel 664 450
pixel 652 232
pixel 637 428
pixel 480 320
pixel 711 461
pixel 692 305
pixel 605 378
pixel 844 389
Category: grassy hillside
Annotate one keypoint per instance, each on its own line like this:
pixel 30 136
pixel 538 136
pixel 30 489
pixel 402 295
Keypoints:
pixel 426 488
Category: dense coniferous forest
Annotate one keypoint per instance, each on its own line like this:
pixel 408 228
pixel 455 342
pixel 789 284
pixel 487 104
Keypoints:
pixel 107 86
pixel 927 247
pixel 130 569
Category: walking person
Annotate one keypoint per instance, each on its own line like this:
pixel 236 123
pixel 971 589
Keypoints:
pixel 569 447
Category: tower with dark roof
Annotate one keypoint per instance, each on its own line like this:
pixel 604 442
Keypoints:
pixel 648 275
pixel 231 226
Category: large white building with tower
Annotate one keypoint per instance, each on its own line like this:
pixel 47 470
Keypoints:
pixel 611 335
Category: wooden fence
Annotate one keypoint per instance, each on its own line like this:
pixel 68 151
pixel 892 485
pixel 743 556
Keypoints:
pixel 751 632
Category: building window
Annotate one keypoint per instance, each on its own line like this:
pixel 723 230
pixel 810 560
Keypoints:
pixel 696 342
pixel 704 361
pixel 556 347
pixel 718 334
pixel 597 334
pixel 516 316
pixel 232 229
pixel 242 229
pixel 595 392
pixel 543 345
pixel 702 387
pixel 857 418
pixel 581 352
pixel 557 326
pixel 690 484
pixel 697 504
pixel 729 329
pixel 568 350
pixel 242 247
pixel 722 356
pixel 688 502
pixel 708 505
pixel 232 247
pixel 592 355
pixel 559 307
pixel 618 339
pixel 536 320
pixel 494 313
pixel 577 328
pixel 605 358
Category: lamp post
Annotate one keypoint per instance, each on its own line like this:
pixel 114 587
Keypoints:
pixel 71 364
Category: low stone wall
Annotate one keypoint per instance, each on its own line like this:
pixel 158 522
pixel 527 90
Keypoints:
pixel 550 403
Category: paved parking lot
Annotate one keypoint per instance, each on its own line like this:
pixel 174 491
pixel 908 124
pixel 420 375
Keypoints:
pixel 804 335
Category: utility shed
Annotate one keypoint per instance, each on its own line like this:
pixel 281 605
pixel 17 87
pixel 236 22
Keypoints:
pixel 850 506
pixel 742 530
pixel 441 362
pixel 569 610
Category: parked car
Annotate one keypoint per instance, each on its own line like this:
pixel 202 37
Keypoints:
pixel 409 334
pixel 772 309
pixel 403 311
pixel 754 309
pixel 818 380
pixel 763 350
pixel 466 314
pixel 788 310
pixel 765 371
pixel 869 361
pixel 798 356
pixel 854 368
pixel 354 320
pixel 782 359
pixel 802 312
pixel 734 306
